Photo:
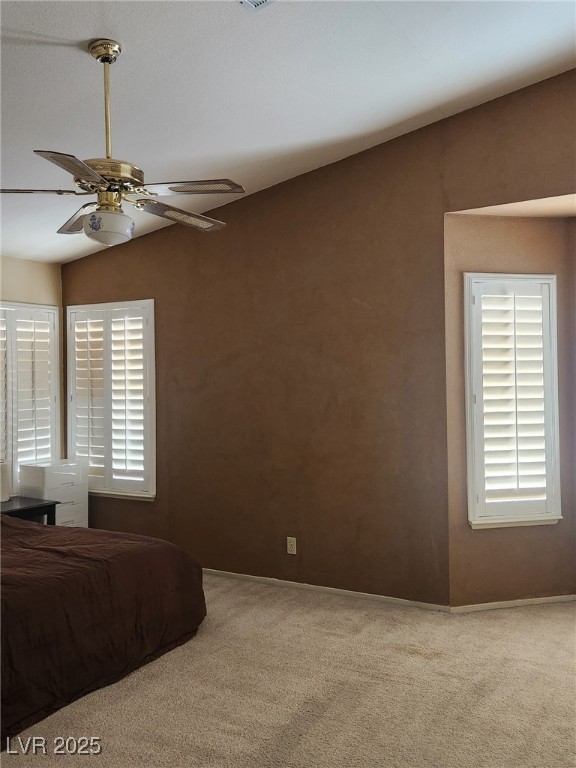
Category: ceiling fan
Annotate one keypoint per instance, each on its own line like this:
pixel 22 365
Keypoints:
pixel 117 181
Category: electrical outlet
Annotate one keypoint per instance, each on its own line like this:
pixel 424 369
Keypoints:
pixel 291 545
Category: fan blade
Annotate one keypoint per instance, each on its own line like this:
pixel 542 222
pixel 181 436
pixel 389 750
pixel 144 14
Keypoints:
pixel 69 163
pixel 202 223
pixel 203 187
pixel 74 225
pixel 46 192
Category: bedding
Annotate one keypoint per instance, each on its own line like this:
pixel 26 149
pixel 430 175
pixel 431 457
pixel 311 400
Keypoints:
pixel 82 608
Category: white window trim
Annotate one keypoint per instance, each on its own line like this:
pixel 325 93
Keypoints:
pixel 55 383
pixel 474 480
pixel 148 305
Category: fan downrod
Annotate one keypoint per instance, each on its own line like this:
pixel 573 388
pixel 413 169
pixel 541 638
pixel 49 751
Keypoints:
pixel 105 51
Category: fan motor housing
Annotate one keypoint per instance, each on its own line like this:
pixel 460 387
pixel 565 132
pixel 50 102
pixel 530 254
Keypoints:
pixel 118 172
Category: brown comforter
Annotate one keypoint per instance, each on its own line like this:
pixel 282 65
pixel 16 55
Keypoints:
pixel 82 608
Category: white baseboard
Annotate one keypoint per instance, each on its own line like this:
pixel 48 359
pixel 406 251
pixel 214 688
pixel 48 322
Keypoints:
pixel 398 600
pixel 512 603
pixel 331 590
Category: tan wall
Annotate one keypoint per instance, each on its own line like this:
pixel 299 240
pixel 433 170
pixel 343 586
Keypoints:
pixel 35 282
pixel 508 563
pixel 300 362
pixel 31 282
pixel 572 250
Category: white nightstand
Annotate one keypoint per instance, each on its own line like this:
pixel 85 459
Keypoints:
pixel 63 481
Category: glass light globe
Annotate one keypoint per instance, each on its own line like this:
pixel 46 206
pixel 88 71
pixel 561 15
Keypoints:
pixel 108 227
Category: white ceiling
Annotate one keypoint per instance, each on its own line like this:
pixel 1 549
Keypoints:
pixel 209 89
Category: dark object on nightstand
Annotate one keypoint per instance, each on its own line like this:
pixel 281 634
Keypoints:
pixel 28 509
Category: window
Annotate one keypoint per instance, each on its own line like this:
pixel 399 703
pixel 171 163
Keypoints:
pixel 29 384
pixel 111 421
pixel 511 400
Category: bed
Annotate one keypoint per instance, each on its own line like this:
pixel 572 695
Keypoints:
pixel 82 608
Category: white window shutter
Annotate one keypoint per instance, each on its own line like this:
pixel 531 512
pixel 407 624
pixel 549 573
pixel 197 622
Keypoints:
pixel 128 397
pixel 513 471
pixel 29 384
pixel 34 411
pixel 5 431
pixel 111 375
pixel 86 417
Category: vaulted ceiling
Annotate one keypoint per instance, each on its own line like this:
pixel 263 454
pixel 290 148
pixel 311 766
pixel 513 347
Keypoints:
pixel 211 89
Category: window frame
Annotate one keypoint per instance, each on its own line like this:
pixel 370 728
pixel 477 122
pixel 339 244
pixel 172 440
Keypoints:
pixel 474 401
pixel 111 310
pixel 11 436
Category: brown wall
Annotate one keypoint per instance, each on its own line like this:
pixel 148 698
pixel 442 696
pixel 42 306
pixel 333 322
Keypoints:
pixel 509 563
pixel 300 353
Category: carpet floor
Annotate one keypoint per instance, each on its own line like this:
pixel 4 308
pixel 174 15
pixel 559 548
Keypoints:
pixel 280 677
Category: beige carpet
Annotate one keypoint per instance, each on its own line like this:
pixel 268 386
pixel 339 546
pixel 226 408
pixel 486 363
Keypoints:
pixel 280 677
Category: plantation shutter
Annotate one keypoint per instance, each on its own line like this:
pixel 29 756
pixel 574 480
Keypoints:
pixel 128 396
pixel 88 398
pixel 5 442
pixel 111 375
pixel 34 410
pixel 29 375
pixel 513 399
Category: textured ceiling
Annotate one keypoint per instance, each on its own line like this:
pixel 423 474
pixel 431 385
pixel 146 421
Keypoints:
pixel 208 89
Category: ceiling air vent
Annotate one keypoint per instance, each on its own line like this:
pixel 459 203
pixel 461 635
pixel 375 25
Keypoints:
pixel 254 5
